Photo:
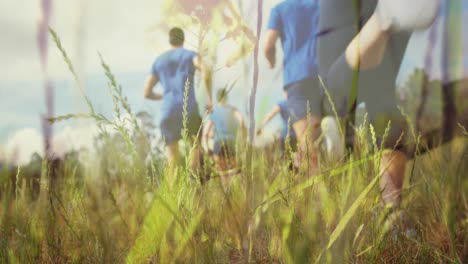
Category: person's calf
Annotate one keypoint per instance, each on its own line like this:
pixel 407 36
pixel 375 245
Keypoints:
pixel 172 153
pixel 307 131
pixel 195 162
pixel 392 167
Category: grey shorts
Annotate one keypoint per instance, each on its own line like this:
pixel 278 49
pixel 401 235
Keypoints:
pixel 396 136
pixel 224 148
pixel 304 98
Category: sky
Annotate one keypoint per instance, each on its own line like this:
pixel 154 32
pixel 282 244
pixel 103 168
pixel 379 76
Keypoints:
pixel 124 33
pixel 129 37
pixel 110 26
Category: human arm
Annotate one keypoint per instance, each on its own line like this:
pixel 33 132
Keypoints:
pixel 207 133
pixel 240 120
pixel 148 93
pixel 270 47
pixel 276 109
pixel 367 49
pixel 275 29
pixel 207 79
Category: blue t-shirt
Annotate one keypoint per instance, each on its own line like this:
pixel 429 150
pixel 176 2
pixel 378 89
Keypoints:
pixel 287 126
pixel 297 24
pixel 225 122
pixel 173 69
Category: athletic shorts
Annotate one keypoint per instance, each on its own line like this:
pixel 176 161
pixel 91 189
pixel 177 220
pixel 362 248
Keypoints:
pixel 224 148
pixel 171 126
pixel 304 97
pixel 396 136
pixel 292 143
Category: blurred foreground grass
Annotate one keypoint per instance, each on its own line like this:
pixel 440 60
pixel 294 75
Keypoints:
pixel 93 217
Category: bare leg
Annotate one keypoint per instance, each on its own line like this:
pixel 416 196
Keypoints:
pixel 393 164
pixel 307 131
pixel 172 153
pixel 227 168
pixel 195 158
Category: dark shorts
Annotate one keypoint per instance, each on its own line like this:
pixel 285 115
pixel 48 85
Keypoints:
pixel 304 97
pixel 396 137
pixel 446 123
pixel 172 126
pixel 292 143
pixel 224 148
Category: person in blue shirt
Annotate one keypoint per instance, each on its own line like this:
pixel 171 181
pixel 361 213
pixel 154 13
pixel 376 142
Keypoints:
pixel 295 22
pixel 287 132
pixel 226 125
pixel 175 71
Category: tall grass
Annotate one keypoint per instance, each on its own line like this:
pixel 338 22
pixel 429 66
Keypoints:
pixel 105 210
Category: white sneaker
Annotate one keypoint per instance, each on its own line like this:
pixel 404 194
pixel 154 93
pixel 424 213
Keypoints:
pixel 334 142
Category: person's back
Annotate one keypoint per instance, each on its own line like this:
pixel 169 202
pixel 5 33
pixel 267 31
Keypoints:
pixel 297 22
pixel 175 71
pixel 225 122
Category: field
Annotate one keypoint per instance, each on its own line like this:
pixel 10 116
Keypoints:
pixel 113 206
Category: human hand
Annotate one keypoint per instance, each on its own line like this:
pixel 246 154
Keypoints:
pixel 209 107
pixel 158 96
pixel 271 62
pixel 259 131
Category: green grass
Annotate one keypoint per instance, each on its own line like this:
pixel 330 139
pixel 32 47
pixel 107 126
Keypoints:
pixel 92 216
pixel 111 208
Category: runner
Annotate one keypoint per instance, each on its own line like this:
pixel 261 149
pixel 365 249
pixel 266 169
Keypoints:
pixel 287 132
pixel 175 71
pixel 224 125
pixel 361 46
pixel 295 22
